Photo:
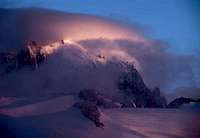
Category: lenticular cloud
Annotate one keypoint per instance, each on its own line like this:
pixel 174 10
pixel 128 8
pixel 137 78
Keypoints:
pixel 91 54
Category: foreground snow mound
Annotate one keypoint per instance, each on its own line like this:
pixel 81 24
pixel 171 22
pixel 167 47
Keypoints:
pixel 119 123
pixel 44 107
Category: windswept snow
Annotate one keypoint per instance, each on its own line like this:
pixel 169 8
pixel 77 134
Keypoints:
pixel 57 118
pixel 45 107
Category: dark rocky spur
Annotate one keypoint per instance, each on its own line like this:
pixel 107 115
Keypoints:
pixel 90 111
pixel 132 86
pixel 29 56
pixel 178 102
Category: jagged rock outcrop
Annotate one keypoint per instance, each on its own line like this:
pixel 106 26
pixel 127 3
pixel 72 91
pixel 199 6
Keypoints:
pixel 92 99
pixel 178 102
pixel 94 96
pixel 132 85
pixel 30 56
pixel 91 111
pixel 156 99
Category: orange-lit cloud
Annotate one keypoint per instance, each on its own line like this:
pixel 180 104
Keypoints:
pixel 88 39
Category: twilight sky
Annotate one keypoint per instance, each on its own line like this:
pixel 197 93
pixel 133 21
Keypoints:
pixel 174 21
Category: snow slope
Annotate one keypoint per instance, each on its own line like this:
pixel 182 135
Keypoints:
pixel 45 107
pixel 56 118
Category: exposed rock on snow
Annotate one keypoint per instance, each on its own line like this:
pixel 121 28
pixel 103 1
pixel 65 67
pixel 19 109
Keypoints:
pixel 89 95
pixel 133 86
pixel 178 102
pixel 157 100
pixel 107 103
pixel 98 99
pixel 128 103
pixel 90 110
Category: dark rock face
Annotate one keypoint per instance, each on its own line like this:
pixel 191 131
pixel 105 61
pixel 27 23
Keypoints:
pixel 89 95
pixel 128 103
pixel 178 102
pixel 94 96
pixel 90 110
pixel 133 86
pixel 157 100
pixel 28 56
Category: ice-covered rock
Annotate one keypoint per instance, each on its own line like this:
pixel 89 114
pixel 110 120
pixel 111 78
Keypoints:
pixel 91 111
pixel 178 102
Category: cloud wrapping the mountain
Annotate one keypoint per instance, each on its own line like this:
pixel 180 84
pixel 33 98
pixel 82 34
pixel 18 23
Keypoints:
pixel 158 67
pixel 90 39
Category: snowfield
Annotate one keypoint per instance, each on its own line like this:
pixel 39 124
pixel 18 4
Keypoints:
pixel 56 118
